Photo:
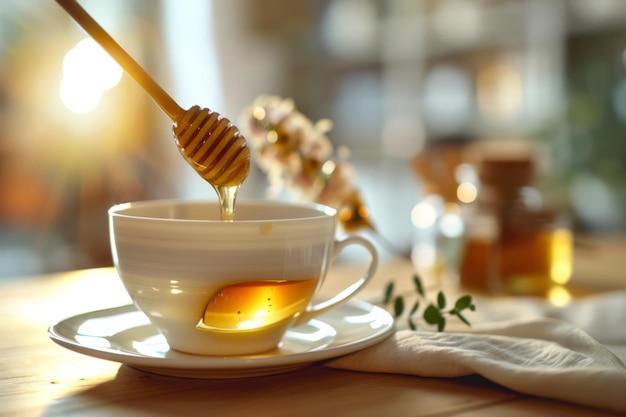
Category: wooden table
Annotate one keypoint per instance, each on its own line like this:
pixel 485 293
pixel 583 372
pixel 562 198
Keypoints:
pixel 39 378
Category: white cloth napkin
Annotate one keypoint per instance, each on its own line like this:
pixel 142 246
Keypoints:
pixel 546 357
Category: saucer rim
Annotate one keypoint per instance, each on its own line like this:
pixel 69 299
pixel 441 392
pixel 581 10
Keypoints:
pixel 198 366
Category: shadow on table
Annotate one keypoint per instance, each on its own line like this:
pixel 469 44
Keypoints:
pixel 312 391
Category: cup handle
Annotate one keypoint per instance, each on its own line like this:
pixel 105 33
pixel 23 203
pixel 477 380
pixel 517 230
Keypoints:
pixel 351 290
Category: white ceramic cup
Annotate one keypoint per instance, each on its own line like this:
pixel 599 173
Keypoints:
pixel 216 287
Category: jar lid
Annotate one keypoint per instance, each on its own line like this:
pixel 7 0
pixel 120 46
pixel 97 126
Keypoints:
pixel 506 163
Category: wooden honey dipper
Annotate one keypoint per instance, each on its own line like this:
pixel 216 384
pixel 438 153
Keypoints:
pixel 211 144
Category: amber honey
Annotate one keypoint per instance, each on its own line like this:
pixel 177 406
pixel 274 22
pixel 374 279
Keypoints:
pixel 475 264
pixel 525 261
pixel 526 264
pixel 252 305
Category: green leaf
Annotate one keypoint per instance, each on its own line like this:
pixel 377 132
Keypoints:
pixel 441 324
pixel 435 312
pixel 432 314
pixel 398 306
pixel 463 303
pixel 441 300
pixel 463 319
pixel 388 293
pixel 418 285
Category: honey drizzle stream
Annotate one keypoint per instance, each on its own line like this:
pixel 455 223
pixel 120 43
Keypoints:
pixel 227 195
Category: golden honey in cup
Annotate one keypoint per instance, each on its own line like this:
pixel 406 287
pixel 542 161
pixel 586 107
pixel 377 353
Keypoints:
pixel 257 304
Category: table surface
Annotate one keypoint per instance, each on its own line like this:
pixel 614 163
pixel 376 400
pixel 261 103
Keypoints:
pixel 40 378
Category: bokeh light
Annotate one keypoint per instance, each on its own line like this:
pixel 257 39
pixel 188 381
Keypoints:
pixel 562 256
pixel 466 192
pixel 88 71
pixel 425 213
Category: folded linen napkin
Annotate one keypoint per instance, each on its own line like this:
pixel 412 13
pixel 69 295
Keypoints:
pixel 543 356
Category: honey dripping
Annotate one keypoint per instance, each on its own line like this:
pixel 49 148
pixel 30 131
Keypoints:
pixel 217 151
pixel 208 141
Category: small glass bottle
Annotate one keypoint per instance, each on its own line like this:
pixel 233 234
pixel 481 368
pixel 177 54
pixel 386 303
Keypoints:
pixel 513 243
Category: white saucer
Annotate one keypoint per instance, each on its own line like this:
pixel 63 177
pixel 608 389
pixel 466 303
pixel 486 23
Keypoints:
pixel 124 334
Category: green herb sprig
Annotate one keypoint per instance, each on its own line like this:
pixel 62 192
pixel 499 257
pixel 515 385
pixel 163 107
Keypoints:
pixel 435 312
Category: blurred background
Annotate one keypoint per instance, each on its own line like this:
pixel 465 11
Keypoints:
pixel 409 85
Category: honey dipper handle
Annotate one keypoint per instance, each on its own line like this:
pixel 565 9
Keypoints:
pixel 162 99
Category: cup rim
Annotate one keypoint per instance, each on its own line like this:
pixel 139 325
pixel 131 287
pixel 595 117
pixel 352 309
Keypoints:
pixel 317 210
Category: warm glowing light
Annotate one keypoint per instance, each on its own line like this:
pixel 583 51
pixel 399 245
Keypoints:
pixel 559 296
pixel 77 98
pixel 345 214
pixel 329 167
pixel 258 113
pixel 272 136
pixel 451 225
pixel 562 256
pixel 250 324
pixel 257 321
pixel 175 289
pixel 466 192
pixel 87 72
pixel 74 285
pixel 423 215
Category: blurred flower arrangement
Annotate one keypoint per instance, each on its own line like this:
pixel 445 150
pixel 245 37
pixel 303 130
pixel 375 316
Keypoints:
pixel 297 156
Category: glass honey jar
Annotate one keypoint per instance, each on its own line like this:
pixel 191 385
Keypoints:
pixel 513 242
